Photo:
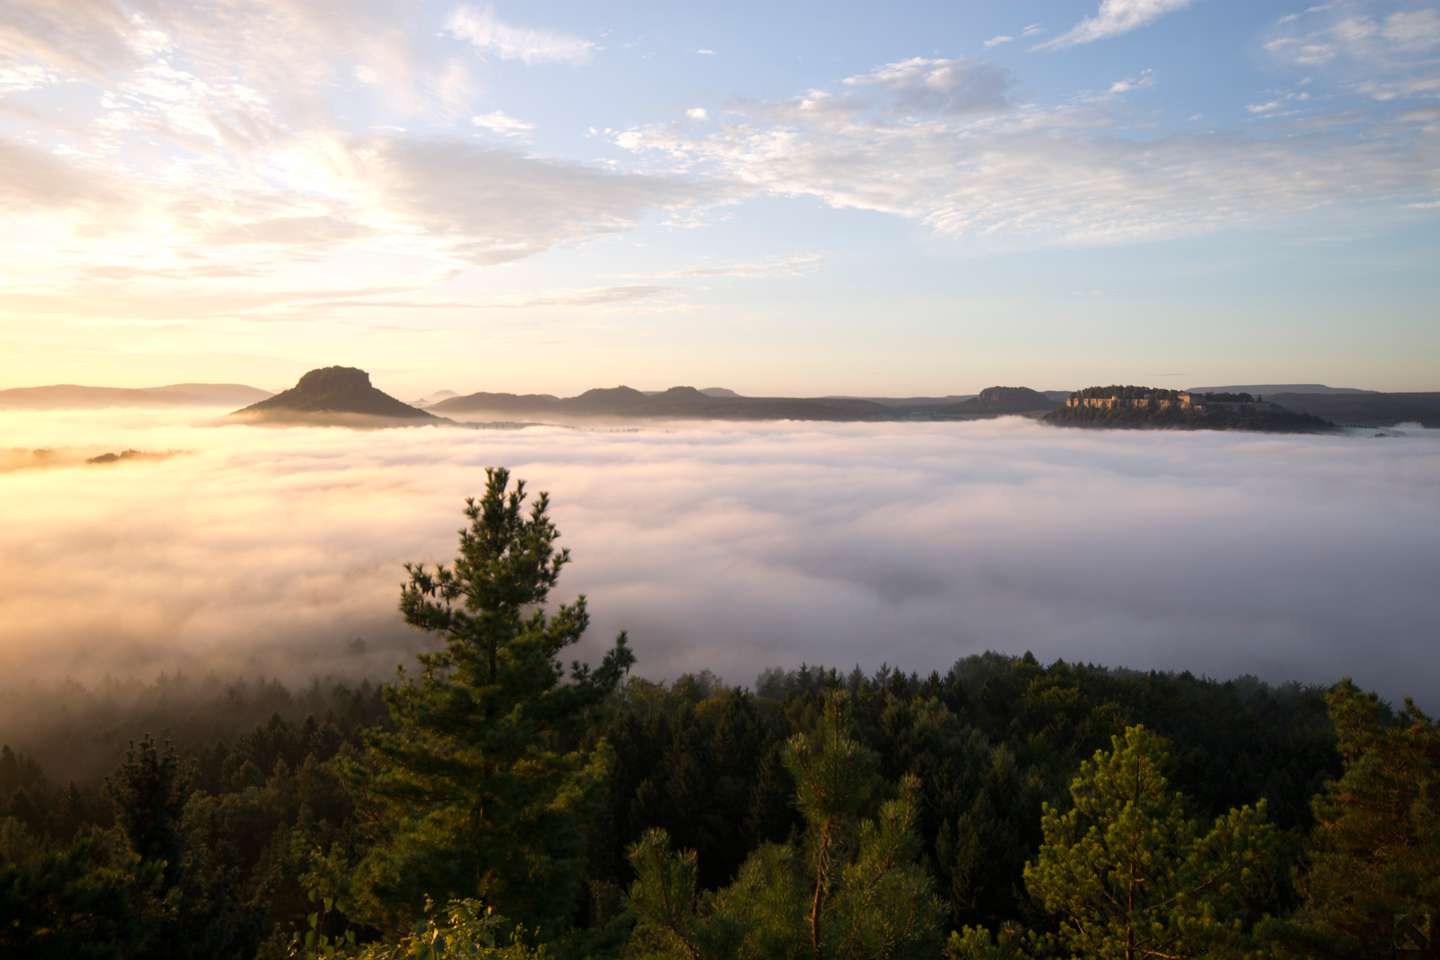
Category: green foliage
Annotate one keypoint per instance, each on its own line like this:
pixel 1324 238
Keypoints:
pixel 463 930
pixel 702 761
pixel 148 792
pixel 1375 851
pixel 849 888
pixel 1214 418
pixel 1129 874
pixel 90 899
pixel 477 792
pixel 1115 390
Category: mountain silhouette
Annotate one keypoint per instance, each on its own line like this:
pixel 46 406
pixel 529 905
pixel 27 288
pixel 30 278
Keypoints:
pixel 336 390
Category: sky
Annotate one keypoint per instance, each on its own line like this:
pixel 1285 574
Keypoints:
pixel 731 546
pixel 778 198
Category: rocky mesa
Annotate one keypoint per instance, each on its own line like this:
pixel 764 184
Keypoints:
pixel 337 396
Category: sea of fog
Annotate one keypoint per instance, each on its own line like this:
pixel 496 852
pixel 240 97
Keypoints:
pixel 732 547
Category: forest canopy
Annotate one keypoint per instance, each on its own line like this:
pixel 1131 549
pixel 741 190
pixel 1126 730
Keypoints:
pixel 492 801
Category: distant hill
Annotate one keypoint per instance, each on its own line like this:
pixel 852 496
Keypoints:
pixel 1378 409
pixel 677 402
pixel 1002 400
pixel 1265 389
pixel 435 397
pixel 329 393
pixel 70 396
pixel 911 401
pixel 1134 407
pixel 716 403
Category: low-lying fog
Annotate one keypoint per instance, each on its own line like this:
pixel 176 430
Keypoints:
pixel 732 546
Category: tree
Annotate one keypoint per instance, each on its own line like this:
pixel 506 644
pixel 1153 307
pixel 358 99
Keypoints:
pixel 149 793
pixel 852 889
pixel 1130 875
pixel 1374 857
pixel 479 791
pixel 197 916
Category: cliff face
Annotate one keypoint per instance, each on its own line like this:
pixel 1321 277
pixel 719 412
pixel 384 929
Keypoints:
pixel 336 390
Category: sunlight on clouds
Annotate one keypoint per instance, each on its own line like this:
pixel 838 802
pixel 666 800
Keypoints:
pixel 736 546
pixel 201 132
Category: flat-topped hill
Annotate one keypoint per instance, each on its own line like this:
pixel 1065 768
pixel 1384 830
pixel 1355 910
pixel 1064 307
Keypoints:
pixel 1132 407
pixel 335 391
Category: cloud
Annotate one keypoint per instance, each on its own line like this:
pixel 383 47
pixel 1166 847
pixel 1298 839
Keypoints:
pixel 696 113
pixel 793 267
pixel 1404 38
pixel 947 87
pixel 197 126
pixel 33 180
pixel 1114 18
pixel 1146 79
pixel 530 46
pixel 940 142
pixel 706 53
pixel 996 41
pixel 486 205
pixel 1289 557
pixel 79 35
pixel 1372 52
pixel 501 122
pixel 591 297
pixel 1400 89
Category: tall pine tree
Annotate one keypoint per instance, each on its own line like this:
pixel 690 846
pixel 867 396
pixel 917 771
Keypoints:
pixel 477 792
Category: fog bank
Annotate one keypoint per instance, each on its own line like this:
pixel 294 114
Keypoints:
pixel 736 546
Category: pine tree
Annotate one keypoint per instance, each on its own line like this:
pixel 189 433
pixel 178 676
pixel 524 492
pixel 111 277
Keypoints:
pixel 477 793
pixel 851 890
pixel 1130 875
pixel 1373 877
pixel 195 915
pixel 149 792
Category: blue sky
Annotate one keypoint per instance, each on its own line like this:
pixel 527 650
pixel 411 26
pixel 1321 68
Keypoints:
pixel 779 198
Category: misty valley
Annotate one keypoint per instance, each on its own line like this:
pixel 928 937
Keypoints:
pixel 489 800
pixel 719 481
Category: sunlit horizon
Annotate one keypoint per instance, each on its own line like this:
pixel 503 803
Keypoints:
pixel 777 199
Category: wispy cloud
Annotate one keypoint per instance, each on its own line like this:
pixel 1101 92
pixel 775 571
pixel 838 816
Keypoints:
pixel 1145 79
pixel 1114 18
pixel 959 156
pixel 1384 57
pixel 530 46
pixel 792 267
pixel 996 41
pixel 499 121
